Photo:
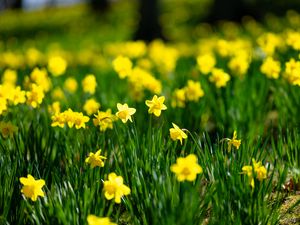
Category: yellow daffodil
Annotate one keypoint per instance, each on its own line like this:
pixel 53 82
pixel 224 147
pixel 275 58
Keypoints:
pixel 239 64
pixel 35 96
pixel 91 106
pixel 269 42
pixel 7 91
pixel 156 105
pixel 177 134
pixel 223 47
pixel 104 120
pixel 58 120
pixel 69 116
pixel 123 66
pixel 58 94
pixel 71 85
pixel 163 56
pixel 134 49
pixel 178 99
pixel 80 120
pixel 186 168
pixel 89 84
pixel 114 188
pixel 125 113
pixel 233 142
pixel 142 79
pixel 40 77
pixel 193 91
pixel 95 159
pixel 32 188
pixel 206 63
pixel 18 96
pixel 94 220
pixel 54 108
pixel 271 68
pixel 57 65
pixel 33 57
pixel 219 77
pixel 10 76
pixel 293 40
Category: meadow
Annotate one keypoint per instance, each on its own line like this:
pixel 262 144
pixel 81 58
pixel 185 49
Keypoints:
pixel 98 129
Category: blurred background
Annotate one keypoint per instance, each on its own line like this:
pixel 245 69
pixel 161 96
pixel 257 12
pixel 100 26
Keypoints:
pixel 170 20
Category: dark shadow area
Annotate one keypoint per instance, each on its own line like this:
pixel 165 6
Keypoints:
pixel 149 27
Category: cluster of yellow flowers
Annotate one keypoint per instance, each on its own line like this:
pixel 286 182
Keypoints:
pixel 56 60
pixel 40 78
pixel 164 57
pixel 269 43
pixel 113 188
pixel 187 168
pixel 206 64
pixel 272 69
pixel 131 49
pixel 11 95
pixel 257 170
pixel 89 84
pixel 14 95
pixel 37 85
pixel 240 53
pixel 237 51
pixel 191 92
pixel 138 63
pixel 105 119
pixel 70 118
pixel 139 79
pixel 156 105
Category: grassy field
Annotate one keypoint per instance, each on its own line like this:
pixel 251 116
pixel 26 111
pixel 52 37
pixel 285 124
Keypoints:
pixel 203 129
